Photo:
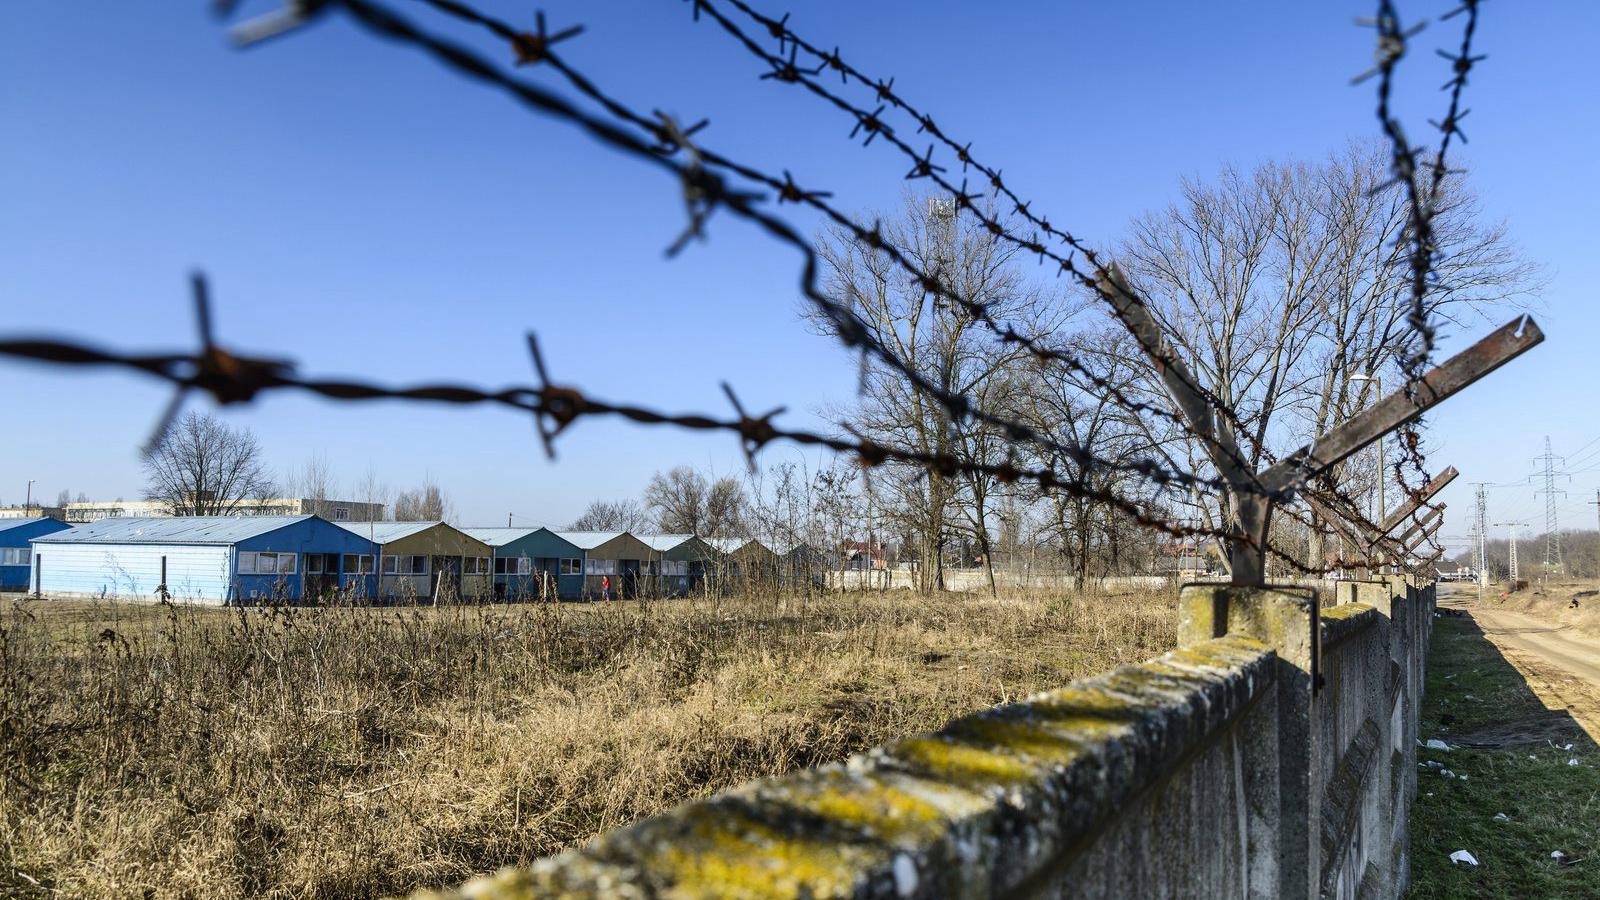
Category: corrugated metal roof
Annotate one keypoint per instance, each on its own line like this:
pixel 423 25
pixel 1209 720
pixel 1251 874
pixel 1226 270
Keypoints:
pixel 8 524
pixel 174 530
pixel 499 536
pixel 588 540
pixel 664 542
pixel 726 545
pixel 386 532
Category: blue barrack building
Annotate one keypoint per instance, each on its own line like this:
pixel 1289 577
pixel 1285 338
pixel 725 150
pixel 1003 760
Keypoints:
pixel 206 559
pixel 16 554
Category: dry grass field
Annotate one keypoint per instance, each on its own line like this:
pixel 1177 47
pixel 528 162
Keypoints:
pixel 183 752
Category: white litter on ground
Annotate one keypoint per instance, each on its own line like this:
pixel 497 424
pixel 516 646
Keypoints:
pixel 1557 855
pixel 1436 744
pixel 1447 773
pixel 1461 856
pixel 1501 817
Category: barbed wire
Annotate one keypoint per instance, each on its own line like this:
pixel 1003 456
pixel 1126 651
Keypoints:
pixel 871 123
pixel 788 70
pixel 1423 253
pixel 534 47
pixel 702 173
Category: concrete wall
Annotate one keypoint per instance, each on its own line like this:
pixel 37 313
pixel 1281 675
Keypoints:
pixel 1273 755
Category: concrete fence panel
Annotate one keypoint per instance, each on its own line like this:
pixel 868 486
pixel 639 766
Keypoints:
pixel 1272 755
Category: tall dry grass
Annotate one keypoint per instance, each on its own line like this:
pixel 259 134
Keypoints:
pixel 187 752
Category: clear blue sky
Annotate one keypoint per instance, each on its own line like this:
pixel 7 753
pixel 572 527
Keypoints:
pixel 366 212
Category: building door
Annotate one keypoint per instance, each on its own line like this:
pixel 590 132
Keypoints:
pixel 629 570
pixel 321 575
pixel 446 578
pixel 38 573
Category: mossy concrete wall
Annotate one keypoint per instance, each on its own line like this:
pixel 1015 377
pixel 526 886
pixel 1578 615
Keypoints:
pixel 1245 764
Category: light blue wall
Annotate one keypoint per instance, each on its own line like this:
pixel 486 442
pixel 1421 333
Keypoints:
pixel 195 573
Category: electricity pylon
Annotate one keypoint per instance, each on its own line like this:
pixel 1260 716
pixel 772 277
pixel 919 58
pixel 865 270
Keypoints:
pixel 1480 535
pixel 1512 550
pixel 1552 530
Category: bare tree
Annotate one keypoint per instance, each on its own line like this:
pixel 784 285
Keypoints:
pixel 427 503
pixel 205 468
pixel 612 515
pixel 685 501
pixel 943 345
pixel 314 481
pixel 1284 287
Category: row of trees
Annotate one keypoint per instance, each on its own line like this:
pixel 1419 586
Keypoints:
pixel 1283 288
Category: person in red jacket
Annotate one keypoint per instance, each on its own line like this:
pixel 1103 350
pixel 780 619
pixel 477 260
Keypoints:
pixel 605 587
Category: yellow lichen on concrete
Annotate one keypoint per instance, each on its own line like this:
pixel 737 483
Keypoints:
pixel 1052 741
pixel 1347 611
pixel 962 764
pixel 709 851
pixel 862 803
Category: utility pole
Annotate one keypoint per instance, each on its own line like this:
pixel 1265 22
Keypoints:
pixel 1596 502
pixel 1552 531
pixel 27 505
pixel 1480 536
pixel 1512 549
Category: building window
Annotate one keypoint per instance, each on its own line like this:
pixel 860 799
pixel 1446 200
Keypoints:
pixel 572 567
pixel 518 565
pixel 314 564
pixel 600 567
pixel 675 567
pixel 15 556
pixel 341 513
pixel 405 565
pixel 267 563
pixel 357 564
pixel 475 565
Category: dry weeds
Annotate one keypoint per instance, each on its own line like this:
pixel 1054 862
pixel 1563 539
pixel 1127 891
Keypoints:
pixel 183 752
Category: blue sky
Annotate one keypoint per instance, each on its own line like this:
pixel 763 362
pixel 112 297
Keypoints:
pixel 365 212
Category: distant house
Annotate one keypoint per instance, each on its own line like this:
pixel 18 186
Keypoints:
pixel 681 561
pixel 799 564
pixel 614 555
pixel 744 561
pixel 532 563
pixel 864 556
pixel 16 553
pixel 426 560
pixel 203 559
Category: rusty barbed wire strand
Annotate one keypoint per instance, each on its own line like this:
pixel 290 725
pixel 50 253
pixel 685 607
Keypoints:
pixel 231 378
pixel 1423 252
pixel 534 47
pixel 788 71
pixel 669 139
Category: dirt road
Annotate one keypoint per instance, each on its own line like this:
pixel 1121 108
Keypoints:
pixel 1560 664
